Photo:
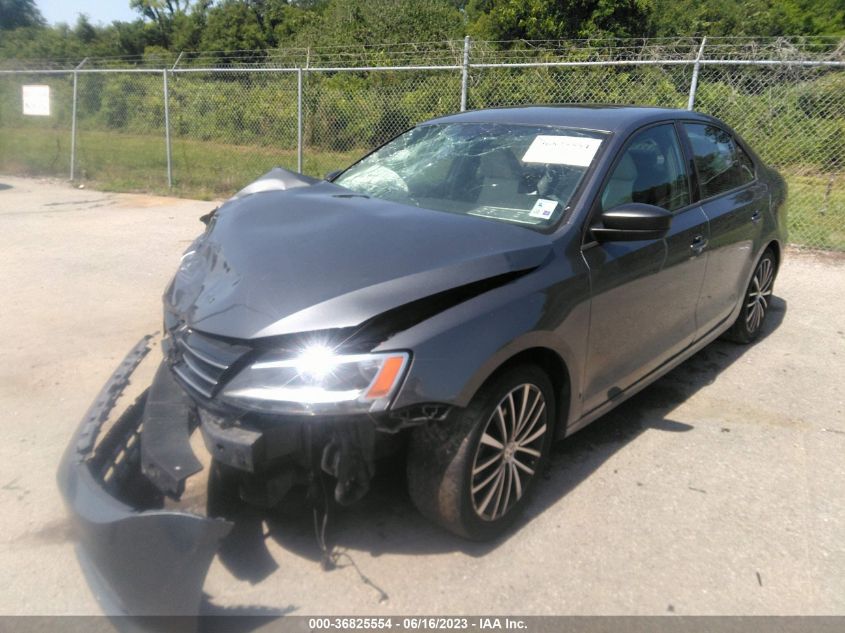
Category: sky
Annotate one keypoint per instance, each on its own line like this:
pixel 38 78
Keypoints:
pixel 98 11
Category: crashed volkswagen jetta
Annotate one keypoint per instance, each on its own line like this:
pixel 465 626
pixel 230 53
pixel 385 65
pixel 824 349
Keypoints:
pixel 477 287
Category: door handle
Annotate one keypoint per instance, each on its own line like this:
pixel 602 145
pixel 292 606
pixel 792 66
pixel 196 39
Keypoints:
pixel 698 244
pixel 756 217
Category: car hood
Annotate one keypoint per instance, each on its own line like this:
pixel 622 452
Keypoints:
pixel 318 256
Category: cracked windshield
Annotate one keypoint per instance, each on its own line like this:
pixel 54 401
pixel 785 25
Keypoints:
pixel 515 173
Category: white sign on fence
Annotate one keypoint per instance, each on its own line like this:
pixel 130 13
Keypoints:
pixel 36 100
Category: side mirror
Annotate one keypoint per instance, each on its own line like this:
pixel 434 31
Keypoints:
pixel 333 174
pixel 632 221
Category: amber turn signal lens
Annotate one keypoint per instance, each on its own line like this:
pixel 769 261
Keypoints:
pixel 386 378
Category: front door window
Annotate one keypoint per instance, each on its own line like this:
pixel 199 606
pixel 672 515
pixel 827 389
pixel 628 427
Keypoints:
pixel 651 171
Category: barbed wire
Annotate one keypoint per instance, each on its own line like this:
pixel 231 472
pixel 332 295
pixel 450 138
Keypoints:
pixel 450 53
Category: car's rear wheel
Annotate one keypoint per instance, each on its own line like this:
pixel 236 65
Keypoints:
pixel 756 302
pixel 473 472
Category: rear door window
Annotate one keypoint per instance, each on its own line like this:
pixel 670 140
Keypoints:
pixel 722 164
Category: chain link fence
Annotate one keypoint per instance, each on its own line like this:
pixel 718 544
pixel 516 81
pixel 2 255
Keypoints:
pixel 347 114
pixel 205 124
pixel 229 128
pixel 794 117
pixel 120 131
pixel 36 145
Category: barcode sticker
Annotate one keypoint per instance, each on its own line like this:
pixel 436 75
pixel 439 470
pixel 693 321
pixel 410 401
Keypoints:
pixel 543 208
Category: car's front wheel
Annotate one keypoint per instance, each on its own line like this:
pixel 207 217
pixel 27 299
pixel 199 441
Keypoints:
pixel 756 302
pixel 472 472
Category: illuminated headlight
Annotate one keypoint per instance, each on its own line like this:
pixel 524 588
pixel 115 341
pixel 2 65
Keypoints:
pixel 318 381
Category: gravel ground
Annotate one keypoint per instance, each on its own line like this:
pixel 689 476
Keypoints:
pixel 718 490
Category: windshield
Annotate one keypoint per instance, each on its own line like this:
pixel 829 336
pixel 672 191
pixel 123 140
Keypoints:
pixel 515 173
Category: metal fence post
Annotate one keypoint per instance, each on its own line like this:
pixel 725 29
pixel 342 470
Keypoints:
pixel 695 69
pixel 465 74
pixel 167 131
pixel 73 121
pixel 299 120
pixel 73 128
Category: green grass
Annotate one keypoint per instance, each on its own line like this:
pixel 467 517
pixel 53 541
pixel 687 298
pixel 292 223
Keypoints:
pixel 207 169
pixel 127 162
pixel 816 210
pixel 35 152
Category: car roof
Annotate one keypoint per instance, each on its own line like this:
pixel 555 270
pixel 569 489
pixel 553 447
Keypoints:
pixel 610 118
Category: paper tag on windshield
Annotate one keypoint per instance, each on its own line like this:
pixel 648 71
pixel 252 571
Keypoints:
pixel 577 151
pixel 543 208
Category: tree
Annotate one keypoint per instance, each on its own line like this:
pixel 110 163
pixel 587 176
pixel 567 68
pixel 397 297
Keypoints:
pixel 750 18
pixel 162 13
pixel 234 25
pixel 227 25
pixel 188 28
pixel 18 13
pixel 376 22
pixel 130 38
pixel 84 31
pixel 558 19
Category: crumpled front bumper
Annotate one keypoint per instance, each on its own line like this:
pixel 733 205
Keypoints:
pixel 139 558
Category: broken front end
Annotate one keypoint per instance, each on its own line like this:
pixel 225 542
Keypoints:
pixel 295 355
pixel 121 478
pixel 138 557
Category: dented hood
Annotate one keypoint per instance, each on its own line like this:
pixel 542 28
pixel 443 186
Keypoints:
pixel 319 256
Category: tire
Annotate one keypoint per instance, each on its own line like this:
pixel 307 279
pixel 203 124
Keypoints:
pixel 442 456
pixel 755 302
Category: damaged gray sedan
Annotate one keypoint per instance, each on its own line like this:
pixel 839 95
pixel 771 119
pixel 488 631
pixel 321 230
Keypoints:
pixel 474 289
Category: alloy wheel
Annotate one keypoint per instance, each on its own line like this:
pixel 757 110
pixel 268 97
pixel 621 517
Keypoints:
pixel 759 293
pixel 509 452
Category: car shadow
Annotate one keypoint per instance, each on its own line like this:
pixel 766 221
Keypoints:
pixel 385 521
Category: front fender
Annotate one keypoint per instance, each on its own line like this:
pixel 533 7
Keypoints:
pixel 456 351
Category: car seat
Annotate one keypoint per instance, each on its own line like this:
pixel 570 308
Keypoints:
pixel 651 185
pixel 500 174
pixel 620 188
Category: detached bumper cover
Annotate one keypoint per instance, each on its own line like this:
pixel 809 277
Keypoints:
pixel 138 558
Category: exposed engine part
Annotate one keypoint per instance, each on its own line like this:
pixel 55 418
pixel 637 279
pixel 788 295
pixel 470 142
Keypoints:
pixel 348 457
pixel 413 416
pixel 268 490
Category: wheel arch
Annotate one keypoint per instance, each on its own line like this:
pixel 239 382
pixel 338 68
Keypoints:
pixel 777 250
pixel 553 364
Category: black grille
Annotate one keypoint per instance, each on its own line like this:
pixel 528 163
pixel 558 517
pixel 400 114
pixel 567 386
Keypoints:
pixel 200 361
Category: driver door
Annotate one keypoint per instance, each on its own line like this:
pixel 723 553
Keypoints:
pixel 644 293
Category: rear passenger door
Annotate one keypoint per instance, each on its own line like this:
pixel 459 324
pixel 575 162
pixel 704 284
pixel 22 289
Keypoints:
pixel 734 201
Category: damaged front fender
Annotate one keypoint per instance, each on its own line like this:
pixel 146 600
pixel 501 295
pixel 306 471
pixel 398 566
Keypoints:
pixel 138 558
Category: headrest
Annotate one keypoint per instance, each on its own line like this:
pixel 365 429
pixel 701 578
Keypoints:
pixel 626 169
pixel 499 163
